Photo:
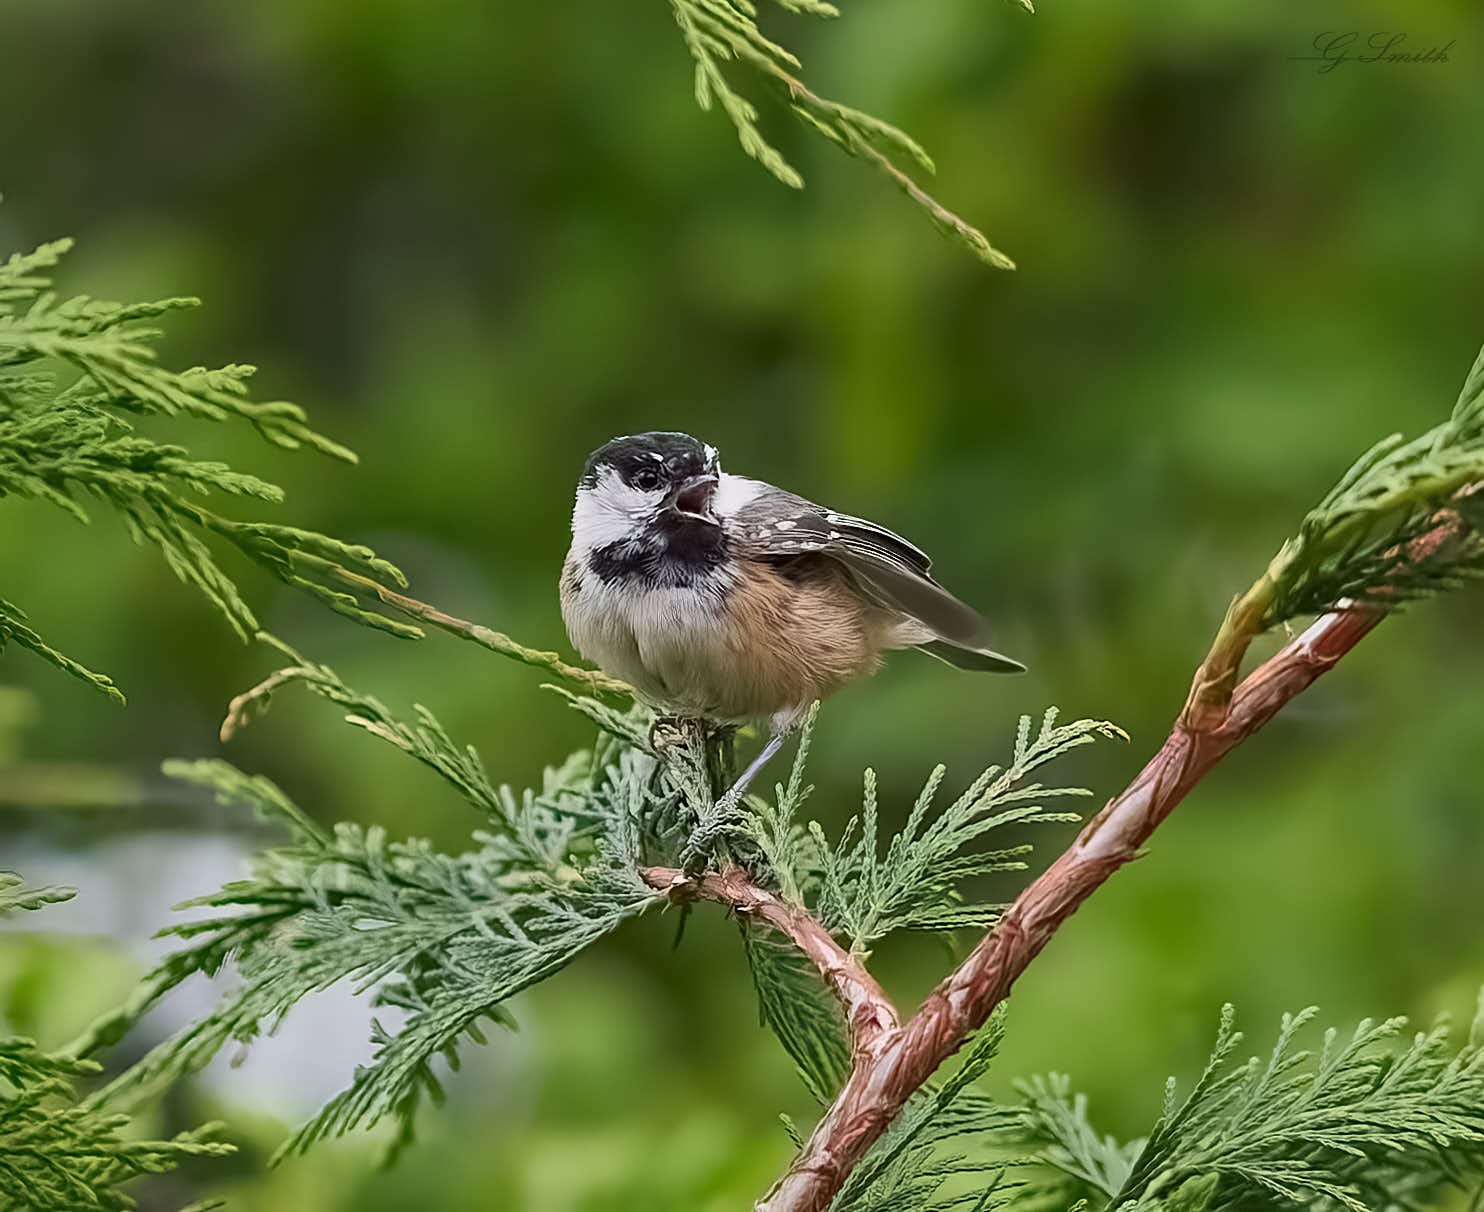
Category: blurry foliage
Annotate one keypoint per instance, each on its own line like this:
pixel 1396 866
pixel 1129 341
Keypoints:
pixel 60 1155
pixel 15 895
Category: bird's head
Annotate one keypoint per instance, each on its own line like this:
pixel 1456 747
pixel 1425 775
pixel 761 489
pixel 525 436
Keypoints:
pixel 649 492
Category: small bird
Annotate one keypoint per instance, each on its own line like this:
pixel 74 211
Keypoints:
pixel 726 599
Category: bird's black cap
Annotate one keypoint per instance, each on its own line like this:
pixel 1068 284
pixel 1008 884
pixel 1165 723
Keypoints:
pixel 677 455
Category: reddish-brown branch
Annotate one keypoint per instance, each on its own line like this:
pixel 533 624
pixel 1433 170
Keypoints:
pixel 1218 715
pixel 868 1010
pixel 905 1059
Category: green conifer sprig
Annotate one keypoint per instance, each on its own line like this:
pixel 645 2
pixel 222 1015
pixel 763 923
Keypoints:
pixel 794 1005
pixel 716 32
pixel 113 353
pixel 1078 1158
pixel 1361 542
pixel 863 892
pixel 73 374
pixel 445 939
pixel 55 1154
pixel 1370 1123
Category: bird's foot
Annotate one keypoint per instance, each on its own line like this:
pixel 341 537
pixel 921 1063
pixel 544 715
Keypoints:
pixel 728 804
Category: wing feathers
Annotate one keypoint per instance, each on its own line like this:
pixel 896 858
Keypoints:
pixel 889 570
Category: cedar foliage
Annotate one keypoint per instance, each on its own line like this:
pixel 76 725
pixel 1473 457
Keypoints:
pixel 58 1154
pixel 718 33
pixel 76 376
pixel 448 939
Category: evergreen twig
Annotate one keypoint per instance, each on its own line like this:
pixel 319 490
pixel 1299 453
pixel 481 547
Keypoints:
pixel 868 1010
pixel 592 680
pixel 723 31
pixel 73 376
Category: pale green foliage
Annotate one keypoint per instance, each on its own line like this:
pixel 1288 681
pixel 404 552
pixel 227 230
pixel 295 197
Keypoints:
pixel 447 940
pixel 1371 1122
pixel 444 939
pixel 1358 544
pixel 15 895
pixel 726 31
pixel 59 1156
pixel 863 893
pixel 72 375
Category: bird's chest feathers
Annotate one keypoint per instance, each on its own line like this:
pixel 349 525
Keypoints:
pixel 730 647
pixel 662 639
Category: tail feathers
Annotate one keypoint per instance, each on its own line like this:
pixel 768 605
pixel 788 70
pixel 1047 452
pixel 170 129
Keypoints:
pixel 982 659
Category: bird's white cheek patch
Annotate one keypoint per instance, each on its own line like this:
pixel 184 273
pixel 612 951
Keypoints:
pixel 609 512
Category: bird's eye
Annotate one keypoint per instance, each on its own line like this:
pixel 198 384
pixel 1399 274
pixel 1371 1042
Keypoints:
pixel 646 479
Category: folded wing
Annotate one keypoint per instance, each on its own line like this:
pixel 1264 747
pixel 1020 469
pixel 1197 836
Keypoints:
pixel 890 571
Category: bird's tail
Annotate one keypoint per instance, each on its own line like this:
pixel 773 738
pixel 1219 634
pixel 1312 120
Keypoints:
pixel 985 660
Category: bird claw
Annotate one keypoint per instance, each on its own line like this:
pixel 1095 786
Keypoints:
pixel 728 804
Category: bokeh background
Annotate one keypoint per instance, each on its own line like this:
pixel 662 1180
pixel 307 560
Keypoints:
pixel 476 239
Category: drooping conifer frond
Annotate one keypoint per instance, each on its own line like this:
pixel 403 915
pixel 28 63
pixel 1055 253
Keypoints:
pixel 796 1007
pixel 446 939
pixel 55 1154
pixel 72 375
pixel 720 32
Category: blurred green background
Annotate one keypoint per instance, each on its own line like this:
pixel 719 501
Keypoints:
pixel 477 239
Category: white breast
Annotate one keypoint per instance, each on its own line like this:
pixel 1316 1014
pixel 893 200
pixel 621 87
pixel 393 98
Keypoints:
pixel 670 644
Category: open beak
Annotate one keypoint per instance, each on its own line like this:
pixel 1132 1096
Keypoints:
pixel 693 498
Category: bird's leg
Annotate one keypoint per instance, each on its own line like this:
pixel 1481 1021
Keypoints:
pixel 734 795
pixel 715 823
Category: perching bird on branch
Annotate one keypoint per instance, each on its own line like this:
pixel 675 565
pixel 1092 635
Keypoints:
pixel 722 598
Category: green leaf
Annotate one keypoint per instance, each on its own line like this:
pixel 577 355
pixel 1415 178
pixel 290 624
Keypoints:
pixel 864 891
